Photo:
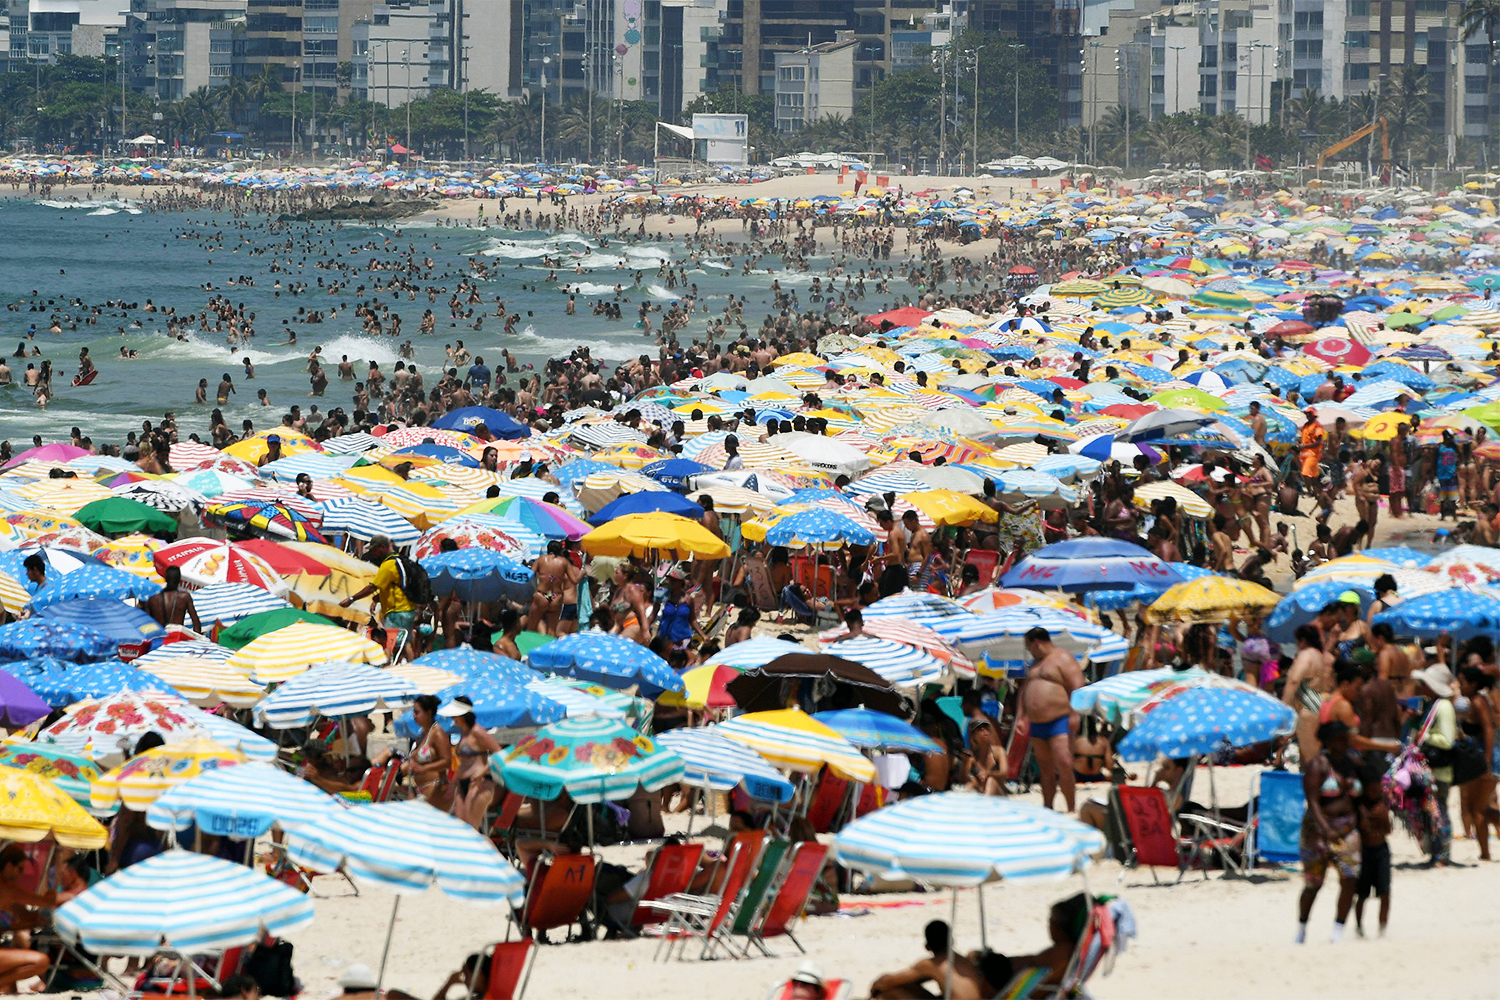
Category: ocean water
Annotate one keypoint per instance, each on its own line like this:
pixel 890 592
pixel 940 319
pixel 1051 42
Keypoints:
pixel 55 252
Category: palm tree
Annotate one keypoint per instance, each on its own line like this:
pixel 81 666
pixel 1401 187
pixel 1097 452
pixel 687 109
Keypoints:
pixel 234 94
pixel 1483 17
pixel 1408 113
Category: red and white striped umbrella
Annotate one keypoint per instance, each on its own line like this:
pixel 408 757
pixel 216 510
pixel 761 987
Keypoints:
pixel 191 454
pixel 405 437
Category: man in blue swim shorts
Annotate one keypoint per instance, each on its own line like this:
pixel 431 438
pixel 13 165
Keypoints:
pixel 1050 681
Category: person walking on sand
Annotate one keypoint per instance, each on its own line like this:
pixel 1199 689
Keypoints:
pixel 1330 827
pixel 1050 682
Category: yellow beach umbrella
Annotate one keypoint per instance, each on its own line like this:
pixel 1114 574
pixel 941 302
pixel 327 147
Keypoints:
pixel 1211 599
pixel 1189 502
pixel 133 553
pixel 424 504
pixel 64 495
pixel 287 652
pixel 252 448
pixel 33 808
pixel 639 534
pixel 322 592
pixel 949 507
pixel 429 680
pixel 1382 427
pixel 140 780
pixel 205 681
pixel 801 359
pixel 793 739
pixel 599 488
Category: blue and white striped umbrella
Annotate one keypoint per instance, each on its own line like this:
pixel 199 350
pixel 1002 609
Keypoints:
pixel 606 435
pixel 1034 485
pixel 818 529
pixel 333 690
pixel 578 703
pixel 877 483
pixel 362 519
pixel 753 652
pixel 229 602
pixel 479 575
pixel 242 802
pixel 999 637
pixel 718 763
pixel 315 464
pixel 1089 563
pixel 230 733
pixel 593 760
pixel 190 647
pixel 874 730
pixel 93 582
pixel 902 665
pixel 610 660
pixel 964 839
pixel 405 847
pixel 1378 394
pixel 187 902
pixel 944 616
pixel 1205 719
pixel 351 444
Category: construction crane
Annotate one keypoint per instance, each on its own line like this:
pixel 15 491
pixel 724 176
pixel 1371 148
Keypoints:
pixel 1343 144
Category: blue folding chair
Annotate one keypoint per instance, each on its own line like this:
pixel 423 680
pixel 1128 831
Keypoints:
pixel 1277 826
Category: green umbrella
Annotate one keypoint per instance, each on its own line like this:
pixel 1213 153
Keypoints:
pixel 1486 413
pixel 527 641
pixel 123 516
pixel 1485 281
pixel 1400 320
pixel 1448 312
pixel 1191 398
pixel 248 629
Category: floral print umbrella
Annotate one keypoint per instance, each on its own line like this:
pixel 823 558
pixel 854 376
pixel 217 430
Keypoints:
pixel 592 759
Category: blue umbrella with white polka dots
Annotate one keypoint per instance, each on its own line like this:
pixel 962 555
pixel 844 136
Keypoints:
pixel 1202 720
pixel 1461 613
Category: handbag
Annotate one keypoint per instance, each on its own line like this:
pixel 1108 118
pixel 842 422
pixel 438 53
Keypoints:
pixel 1467 760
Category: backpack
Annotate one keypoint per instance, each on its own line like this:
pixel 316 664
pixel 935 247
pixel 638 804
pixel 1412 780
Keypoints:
pixel 415 583
pixel 270 965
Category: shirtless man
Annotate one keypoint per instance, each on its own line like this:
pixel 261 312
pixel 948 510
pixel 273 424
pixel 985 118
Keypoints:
pixel 1391 661
pixel 1258 423
pixel 918 546
pixel 173 605
pixel 569 621
pixel 895 538
pixel 1050 681
pixel 553 575
pixel 704 569
pixel 968 983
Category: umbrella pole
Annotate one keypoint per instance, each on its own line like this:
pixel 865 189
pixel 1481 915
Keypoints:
pixel 952 919
pixel 386 952
pixel 984 944
pixel 689 834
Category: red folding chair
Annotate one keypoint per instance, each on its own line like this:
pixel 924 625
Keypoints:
pixel 1153 840
pixel 984 560
pixel 828 801
pixel 672 872
pixel 791 896
pixel 559 892
pixel 505 821
pixel 510 968
pixel 701 917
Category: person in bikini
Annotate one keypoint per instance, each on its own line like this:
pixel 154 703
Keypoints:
pixel 554 576
pixel 629 610
pixel 173 606
pixel 1050 681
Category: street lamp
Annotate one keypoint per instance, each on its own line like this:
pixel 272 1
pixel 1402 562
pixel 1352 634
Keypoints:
pixel 406 60
pixel 465 80
pixel 546 61
pixel 974 54
pixel 1016 51
pixel 1176 77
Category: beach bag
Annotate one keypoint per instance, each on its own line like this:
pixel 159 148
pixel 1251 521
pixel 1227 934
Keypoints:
pixel 415 583
pixel 1467 760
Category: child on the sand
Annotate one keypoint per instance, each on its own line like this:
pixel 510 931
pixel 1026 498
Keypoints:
pixel 1375 855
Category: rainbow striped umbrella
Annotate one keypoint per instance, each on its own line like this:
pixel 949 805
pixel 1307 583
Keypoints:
pixel 268 518
pixel 792 739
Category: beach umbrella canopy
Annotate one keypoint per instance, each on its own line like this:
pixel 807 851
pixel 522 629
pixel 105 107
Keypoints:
pixel 999 637
pixel 506 702
pixel 228 603
pixel 593 760
pixel 94 583
pixel 137 782
pixel 479 575
pixel 792 739
pixel 60 683
pixel 269 518
pixel 902 665
pixel 287 652
pixel 72 772
pixel 872 730
pixel 33 808
pixel 122 516
pixel 33 637
pixel 610 660
pixel 964 839
pixel 468 418
pixel 253 626
pixel 20 706
pixel 360 518
pixel 908 634
pixel 240 802
pixel 717 763
pixel 121 622
pixel 1201 720
pixel 334 690
pixel 667 534
pixel 202 680
pixel 1086 563
pixel 756 651
pixel 706 686
pixel 405 847
pixel 204 561
pixel 537 517
pixel 673 472
pixel 186 902
pixel 1460 612
pixel 1211 599
pixel 818 529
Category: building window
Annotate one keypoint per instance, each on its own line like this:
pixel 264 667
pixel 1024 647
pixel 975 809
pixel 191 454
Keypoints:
pixel 1231 52
pixel 1474 85
pixel 1308 20
pixel 1158 85
pixel 1208 86
pixel 1307 48
pixel 1359 8
pixel 1359 72
pixel 1476 114
pixel 1231 80
pixel 1210 57
pixel 1357 39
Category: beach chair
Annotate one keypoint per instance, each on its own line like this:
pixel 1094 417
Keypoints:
pixel 828 801
pixel 700 917
pixel 1276 809
pixel 1153 840
pixel 757 891
pixel 559 893
pixel 790 899
pixel 503 827
pixel 984 560
pixel 204 981
pixel 1023 985
pixel 510 968
pixel 833 989
pixel 672 872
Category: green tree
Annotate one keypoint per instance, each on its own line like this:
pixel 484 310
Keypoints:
pixel 1482 17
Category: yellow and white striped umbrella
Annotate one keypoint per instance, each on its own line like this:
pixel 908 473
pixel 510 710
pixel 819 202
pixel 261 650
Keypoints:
pixel 290 651
pixel 423 504
pixel 735 500
pixel 64 495
pixel 474 480
pixel 429 680
pixel 1191 503
pixel 600 488
pixel 140 780
pixel 792 739
pixel 205 681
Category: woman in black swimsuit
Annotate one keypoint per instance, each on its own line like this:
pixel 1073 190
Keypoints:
pixel 173 606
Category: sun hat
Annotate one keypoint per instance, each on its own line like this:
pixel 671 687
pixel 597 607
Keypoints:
pixel 358 976
pixel 1437 677
pixel 809 972
pixel 457 708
